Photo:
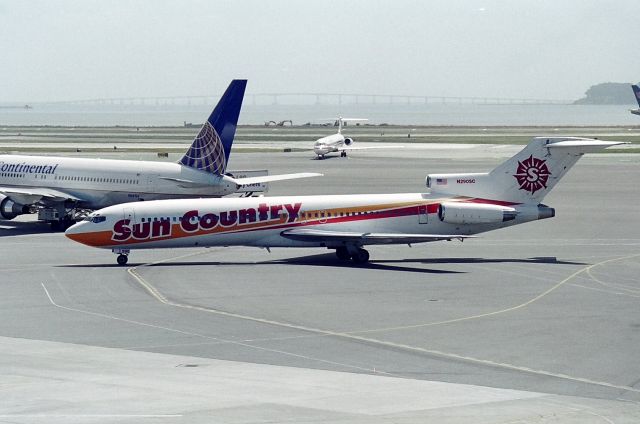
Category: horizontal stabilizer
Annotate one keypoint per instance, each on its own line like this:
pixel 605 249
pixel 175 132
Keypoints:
pixel 270 178
pixel 585 145
pixel 312 235
pixel 345 119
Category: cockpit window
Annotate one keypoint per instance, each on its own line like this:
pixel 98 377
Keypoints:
pixel 98 219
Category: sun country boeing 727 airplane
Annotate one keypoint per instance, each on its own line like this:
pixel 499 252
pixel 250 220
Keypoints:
pixel 458 206
pixel 58 187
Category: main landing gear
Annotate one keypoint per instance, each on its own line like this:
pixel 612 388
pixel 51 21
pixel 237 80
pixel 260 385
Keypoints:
pixel 357 254
pixel 343 154
pixel 123 256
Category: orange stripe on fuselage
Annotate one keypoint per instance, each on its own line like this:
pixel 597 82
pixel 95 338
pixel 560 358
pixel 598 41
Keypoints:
pixel 331 216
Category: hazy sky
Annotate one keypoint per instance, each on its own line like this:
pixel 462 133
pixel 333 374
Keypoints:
pixel 63 50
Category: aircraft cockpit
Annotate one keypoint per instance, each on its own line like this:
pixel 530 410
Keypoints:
pixel 96 219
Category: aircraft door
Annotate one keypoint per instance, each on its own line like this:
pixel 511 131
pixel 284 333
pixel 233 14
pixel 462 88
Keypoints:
pixel 153 185
pixel 130 214
pixel 323 216
pixel 422 214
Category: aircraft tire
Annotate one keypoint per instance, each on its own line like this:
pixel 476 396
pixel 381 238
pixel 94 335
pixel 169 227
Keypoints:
pixel 122 259
pixel 343 254
pixel 361 257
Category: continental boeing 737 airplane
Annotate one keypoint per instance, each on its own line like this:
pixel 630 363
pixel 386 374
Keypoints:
pixel 58 188
pixel 636 93
pixel 458 206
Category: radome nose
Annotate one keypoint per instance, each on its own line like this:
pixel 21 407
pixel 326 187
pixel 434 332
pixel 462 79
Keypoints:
pixel 74 229
pixel 77 232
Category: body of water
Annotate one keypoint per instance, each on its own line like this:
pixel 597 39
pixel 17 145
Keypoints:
pixel 400 114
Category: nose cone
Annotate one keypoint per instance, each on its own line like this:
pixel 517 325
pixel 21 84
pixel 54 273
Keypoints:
pixel 79 233
pixel 74 229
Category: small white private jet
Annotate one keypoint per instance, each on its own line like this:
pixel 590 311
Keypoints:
pixel 335 143
pixel 458 206
pixel 61 189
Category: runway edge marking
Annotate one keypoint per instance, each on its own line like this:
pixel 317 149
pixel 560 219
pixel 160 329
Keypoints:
pixel 161 298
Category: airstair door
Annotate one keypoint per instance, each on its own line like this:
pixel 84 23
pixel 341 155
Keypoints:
pixel 422 214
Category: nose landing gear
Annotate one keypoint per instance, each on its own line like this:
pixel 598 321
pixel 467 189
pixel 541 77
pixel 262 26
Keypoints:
pixel 123 256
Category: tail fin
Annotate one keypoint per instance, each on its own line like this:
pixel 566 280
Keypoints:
pixel 525 178
pixel 210 149
pixel 636 91
pixel 340 122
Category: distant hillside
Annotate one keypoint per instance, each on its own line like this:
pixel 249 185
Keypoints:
pixel 608 93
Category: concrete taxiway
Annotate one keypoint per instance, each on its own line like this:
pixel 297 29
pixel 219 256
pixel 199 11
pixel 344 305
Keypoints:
pixel 536 323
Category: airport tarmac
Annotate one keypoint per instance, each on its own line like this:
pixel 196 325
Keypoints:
pixel 536 323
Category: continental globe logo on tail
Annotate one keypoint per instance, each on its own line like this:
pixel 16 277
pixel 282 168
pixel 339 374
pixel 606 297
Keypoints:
pixel 532 174
pixel 207 152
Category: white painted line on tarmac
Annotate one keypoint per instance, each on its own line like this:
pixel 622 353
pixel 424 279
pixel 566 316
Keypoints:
pixel 352 335
pixel 501 311
pixel 189 333
pixel 605 291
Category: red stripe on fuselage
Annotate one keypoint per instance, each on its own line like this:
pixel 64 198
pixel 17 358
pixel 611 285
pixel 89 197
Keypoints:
pixel 104 238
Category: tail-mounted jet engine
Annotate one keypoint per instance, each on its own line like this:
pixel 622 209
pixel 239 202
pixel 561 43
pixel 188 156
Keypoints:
pixel 474 213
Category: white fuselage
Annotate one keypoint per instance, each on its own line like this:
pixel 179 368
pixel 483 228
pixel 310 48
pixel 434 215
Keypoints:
pixel 104 182
pixel 328 144
pixel 260 221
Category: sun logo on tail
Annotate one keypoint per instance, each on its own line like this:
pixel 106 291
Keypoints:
pixel 532 174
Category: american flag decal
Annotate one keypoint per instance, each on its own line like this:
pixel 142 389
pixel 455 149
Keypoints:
pixel 441 181
pixel 206 153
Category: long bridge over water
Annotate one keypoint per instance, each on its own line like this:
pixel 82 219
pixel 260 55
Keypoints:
pixel 309 98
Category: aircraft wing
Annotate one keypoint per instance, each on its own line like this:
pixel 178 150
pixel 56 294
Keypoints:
pixel 280 177
pixel 31 195
pixel 367 147
pixel 312 235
